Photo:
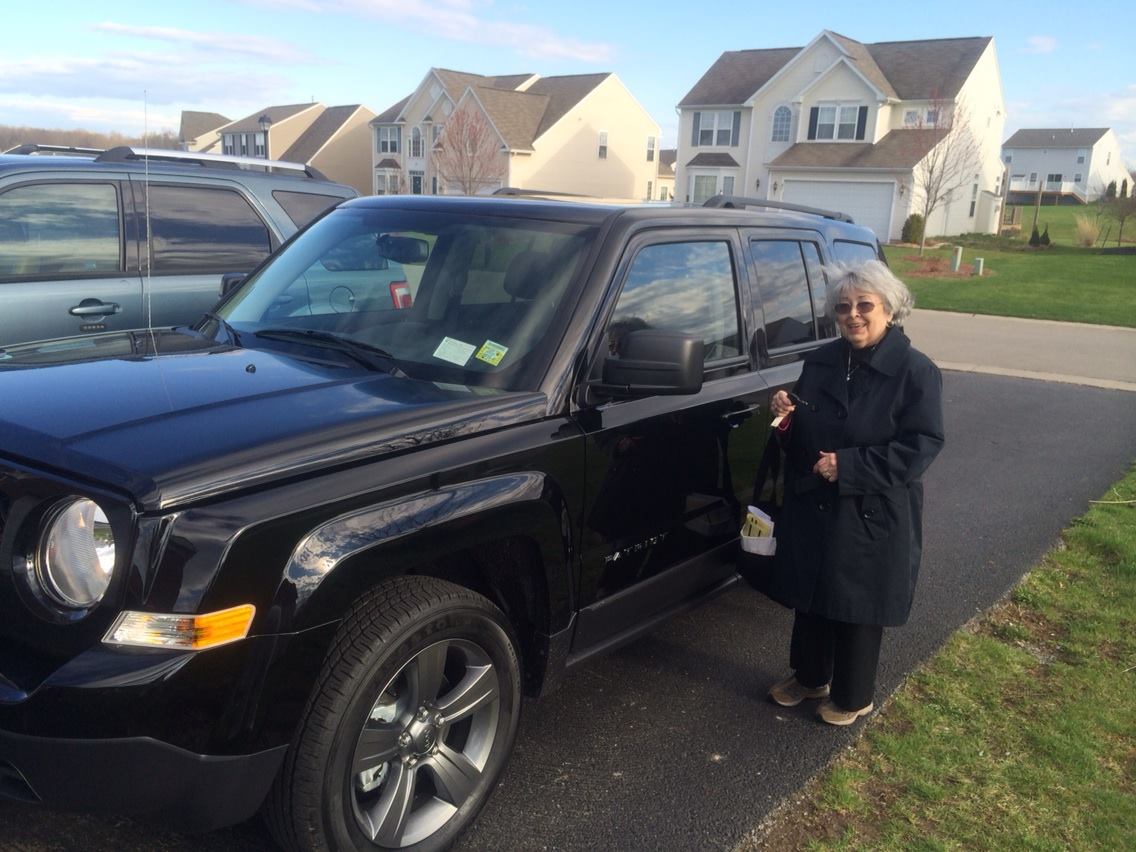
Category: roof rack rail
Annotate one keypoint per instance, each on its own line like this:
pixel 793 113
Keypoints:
pixel 126 153
pixel 741 202
pixel 37 148
pixel 518 192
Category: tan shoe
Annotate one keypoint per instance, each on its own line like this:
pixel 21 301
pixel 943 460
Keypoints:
pixel 833 715
pixel 790 692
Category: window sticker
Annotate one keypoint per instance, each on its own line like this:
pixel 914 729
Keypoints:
pixel 491 353
pixel 454 351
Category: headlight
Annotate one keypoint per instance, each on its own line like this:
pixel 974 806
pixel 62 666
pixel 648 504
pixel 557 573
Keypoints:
pixel 75 559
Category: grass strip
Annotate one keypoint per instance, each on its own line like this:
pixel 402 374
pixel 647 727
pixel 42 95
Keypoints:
pixel 1020 733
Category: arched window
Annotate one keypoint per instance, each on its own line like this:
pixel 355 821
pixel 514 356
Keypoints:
pixel 416 142
pixel 781 120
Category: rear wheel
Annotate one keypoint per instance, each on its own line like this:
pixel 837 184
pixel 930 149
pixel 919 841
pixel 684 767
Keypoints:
pixel 409 727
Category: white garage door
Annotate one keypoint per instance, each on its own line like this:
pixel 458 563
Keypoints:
pixel 867 203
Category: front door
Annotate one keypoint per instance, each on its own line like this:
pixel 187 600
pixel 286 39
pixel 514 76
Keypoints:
pixel 669 476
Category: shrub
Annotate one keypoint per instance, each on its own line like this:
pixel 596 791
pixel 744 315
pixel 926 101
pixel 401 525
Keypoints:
pixel 1035 238
pixel 1124 188
pixel 1110 190
pixel 912 229
pixel 1045 236
pixel 1087 230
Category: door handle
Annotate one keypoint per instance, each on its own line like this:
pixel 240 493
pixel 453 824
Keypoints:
pixel 735 417
pixel 95 308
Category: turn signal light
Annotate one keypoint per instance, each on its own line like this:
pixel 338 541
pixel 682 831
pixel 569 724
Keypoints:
pixel 186 632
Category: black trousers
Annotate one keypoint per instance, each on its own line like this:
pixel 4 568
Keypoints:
pixel 844 655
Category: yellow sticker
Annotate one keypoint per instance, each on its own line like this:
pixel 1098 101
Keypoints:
pixel 491 353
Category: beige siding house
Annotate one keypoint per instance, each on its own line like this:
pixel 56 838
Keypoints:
pixel 848 126
pixel 335 140
pixel 581 134
pixel 200 131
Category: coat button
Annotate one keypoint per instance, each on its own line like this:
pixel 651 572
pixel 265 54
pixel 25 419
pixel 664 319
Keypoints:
pixel 868 515
pixel 841 414
pixel 822 506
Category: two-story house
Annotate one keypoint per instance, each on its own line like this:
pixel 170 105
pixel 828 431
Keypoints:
pixel 335 140
pixel 1068 166
pixel 583 134
pixel 843 125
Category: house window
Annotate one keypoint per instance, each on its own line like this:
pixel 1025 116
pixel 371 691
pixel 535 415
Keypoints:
pixel 663 194
pixel 1080 159
pixel 782 118
pixel 1009 158
pixel 728 185
pixel 650 189
pixel 1108 159
pixel 973 199
pixel 650 153
pixel 260 145
pixel 389 138
pixel 602 153
pixel 911 118
pixel 434 185
pixel 227 144
pixel 1033 177
pixel 435 132
pixel 703 187
pixel 932 117
pixel 386 182
pixel 244 148
pixel 716 128
pixel 415 142
pixel 826 122
pixel 848 117
pixel 1053 178
pixel 1077 178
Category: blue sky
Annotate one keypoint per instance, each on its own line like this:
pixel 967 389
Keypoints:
pixel 115 65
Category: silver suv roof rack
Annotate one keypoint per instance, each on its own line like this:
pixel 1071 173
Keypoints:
pixel 37 148
pixel 126 153
pixel 742 202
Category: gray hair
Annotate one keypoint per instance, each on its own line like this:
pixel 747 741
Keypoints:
pixel 870 276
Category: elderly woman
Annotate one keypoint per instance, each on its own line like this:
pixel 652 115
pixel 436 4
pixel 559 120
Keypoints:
pixel 866 423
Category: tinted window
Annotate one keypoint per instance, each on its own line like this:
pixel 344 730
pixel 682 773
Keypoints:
pixel 59 229
pixel 302 207
pixel 197 229
pixel 686 287
pixel 849 252
pixel 784 288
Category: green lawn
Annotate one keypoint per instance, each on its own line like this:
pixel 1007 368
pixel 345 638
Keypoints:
pixel 1019 734
pixel 1058 282
pixel 1062 224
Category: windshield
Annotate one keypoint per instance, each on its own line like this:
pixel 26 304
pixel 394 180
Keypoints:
pixel 450 297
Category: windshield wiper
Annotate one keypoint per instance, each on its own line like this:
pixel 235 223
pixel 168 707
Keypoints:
pixel 234 337
pixel 369 356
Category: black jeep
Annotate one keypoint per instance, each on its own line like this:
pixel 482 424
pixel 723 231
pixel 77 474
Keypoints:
pixel 309 554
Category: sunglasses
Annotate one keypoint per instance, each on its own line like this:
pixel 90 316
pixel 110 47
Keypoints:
pixel 844 308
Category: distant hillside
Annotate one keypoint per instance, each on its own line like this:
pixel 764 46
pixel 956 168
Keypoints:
pixel 10 137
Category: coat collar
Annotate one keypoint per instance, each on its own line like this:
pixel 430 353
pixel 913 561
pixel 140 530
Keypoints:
pixel 886 359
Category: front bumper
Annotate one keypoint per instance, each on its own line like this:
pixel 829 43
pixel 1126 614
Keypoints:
pixel 137 775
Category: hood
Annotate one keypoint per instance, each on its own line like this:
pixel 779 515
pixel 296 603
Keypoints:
pixel 169 429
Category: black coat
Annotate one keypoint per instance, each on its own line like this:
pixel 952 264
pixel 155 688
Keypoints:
pixel 849 550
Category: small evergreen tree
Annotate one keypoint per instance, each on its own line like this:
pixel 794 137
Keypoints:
pixel 1110 190
pixel 913 229
pixel 1035 238
pixel 1045 236
pixel 1124 188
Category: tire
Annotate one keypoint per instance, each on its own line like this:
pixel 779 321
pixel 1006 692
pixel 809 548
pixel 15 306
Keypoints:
pixel 409 726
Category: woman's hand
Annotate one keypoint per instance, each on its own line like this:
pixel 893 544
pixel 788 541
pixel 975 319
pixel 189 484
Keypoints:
pixel 826 466
pixel 781 405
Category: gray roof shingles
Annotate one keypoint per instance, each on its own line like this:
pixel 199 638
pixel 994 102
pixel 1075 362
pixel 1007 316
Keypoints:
pixel 1049 137
pixel 195 124
pixel 322 129
pixel 898 150
pixel 251 123
pixel 909 70
pixel 708 158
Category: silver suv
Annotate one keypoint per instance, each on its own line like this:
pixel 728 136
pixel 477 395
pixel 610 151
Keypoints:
pixel 94 241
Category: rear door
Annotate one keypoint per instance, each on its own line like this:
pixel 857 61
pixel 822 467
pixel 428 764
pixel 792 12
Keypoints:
pixel 668 476
pixel 196 234
pixel 64 268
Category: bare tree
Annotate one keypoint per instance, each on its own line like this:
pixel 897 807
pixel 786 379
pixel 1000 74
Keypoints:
pixel 952 159
pixel 1119 208
pixel 468 154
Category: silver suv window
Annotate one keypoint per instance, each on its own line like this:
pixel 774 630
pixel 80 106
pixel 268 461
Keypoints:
pixel 60 229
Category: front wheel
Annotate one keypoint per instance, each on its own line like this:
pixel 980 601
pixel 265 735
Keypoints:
pixel 409 726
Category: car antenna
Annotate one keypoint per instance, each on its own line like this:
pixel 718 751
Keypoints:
pixel 147 283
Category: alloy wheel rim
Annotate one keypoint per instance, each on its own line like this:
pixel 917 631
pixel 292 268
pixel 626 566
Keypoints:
pixel 424 747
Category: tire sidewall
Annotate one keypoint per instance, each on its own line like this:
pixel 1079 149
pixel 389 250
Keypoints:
pixel 480 625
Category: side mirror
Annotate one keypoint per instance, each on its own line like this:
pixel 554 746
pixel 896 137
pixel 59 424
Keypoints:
pixel 655 362
pixel 230 281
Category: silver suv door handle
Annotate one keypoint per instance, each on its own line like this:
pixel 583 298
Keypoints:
pixel 737 416
pixel 95 308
